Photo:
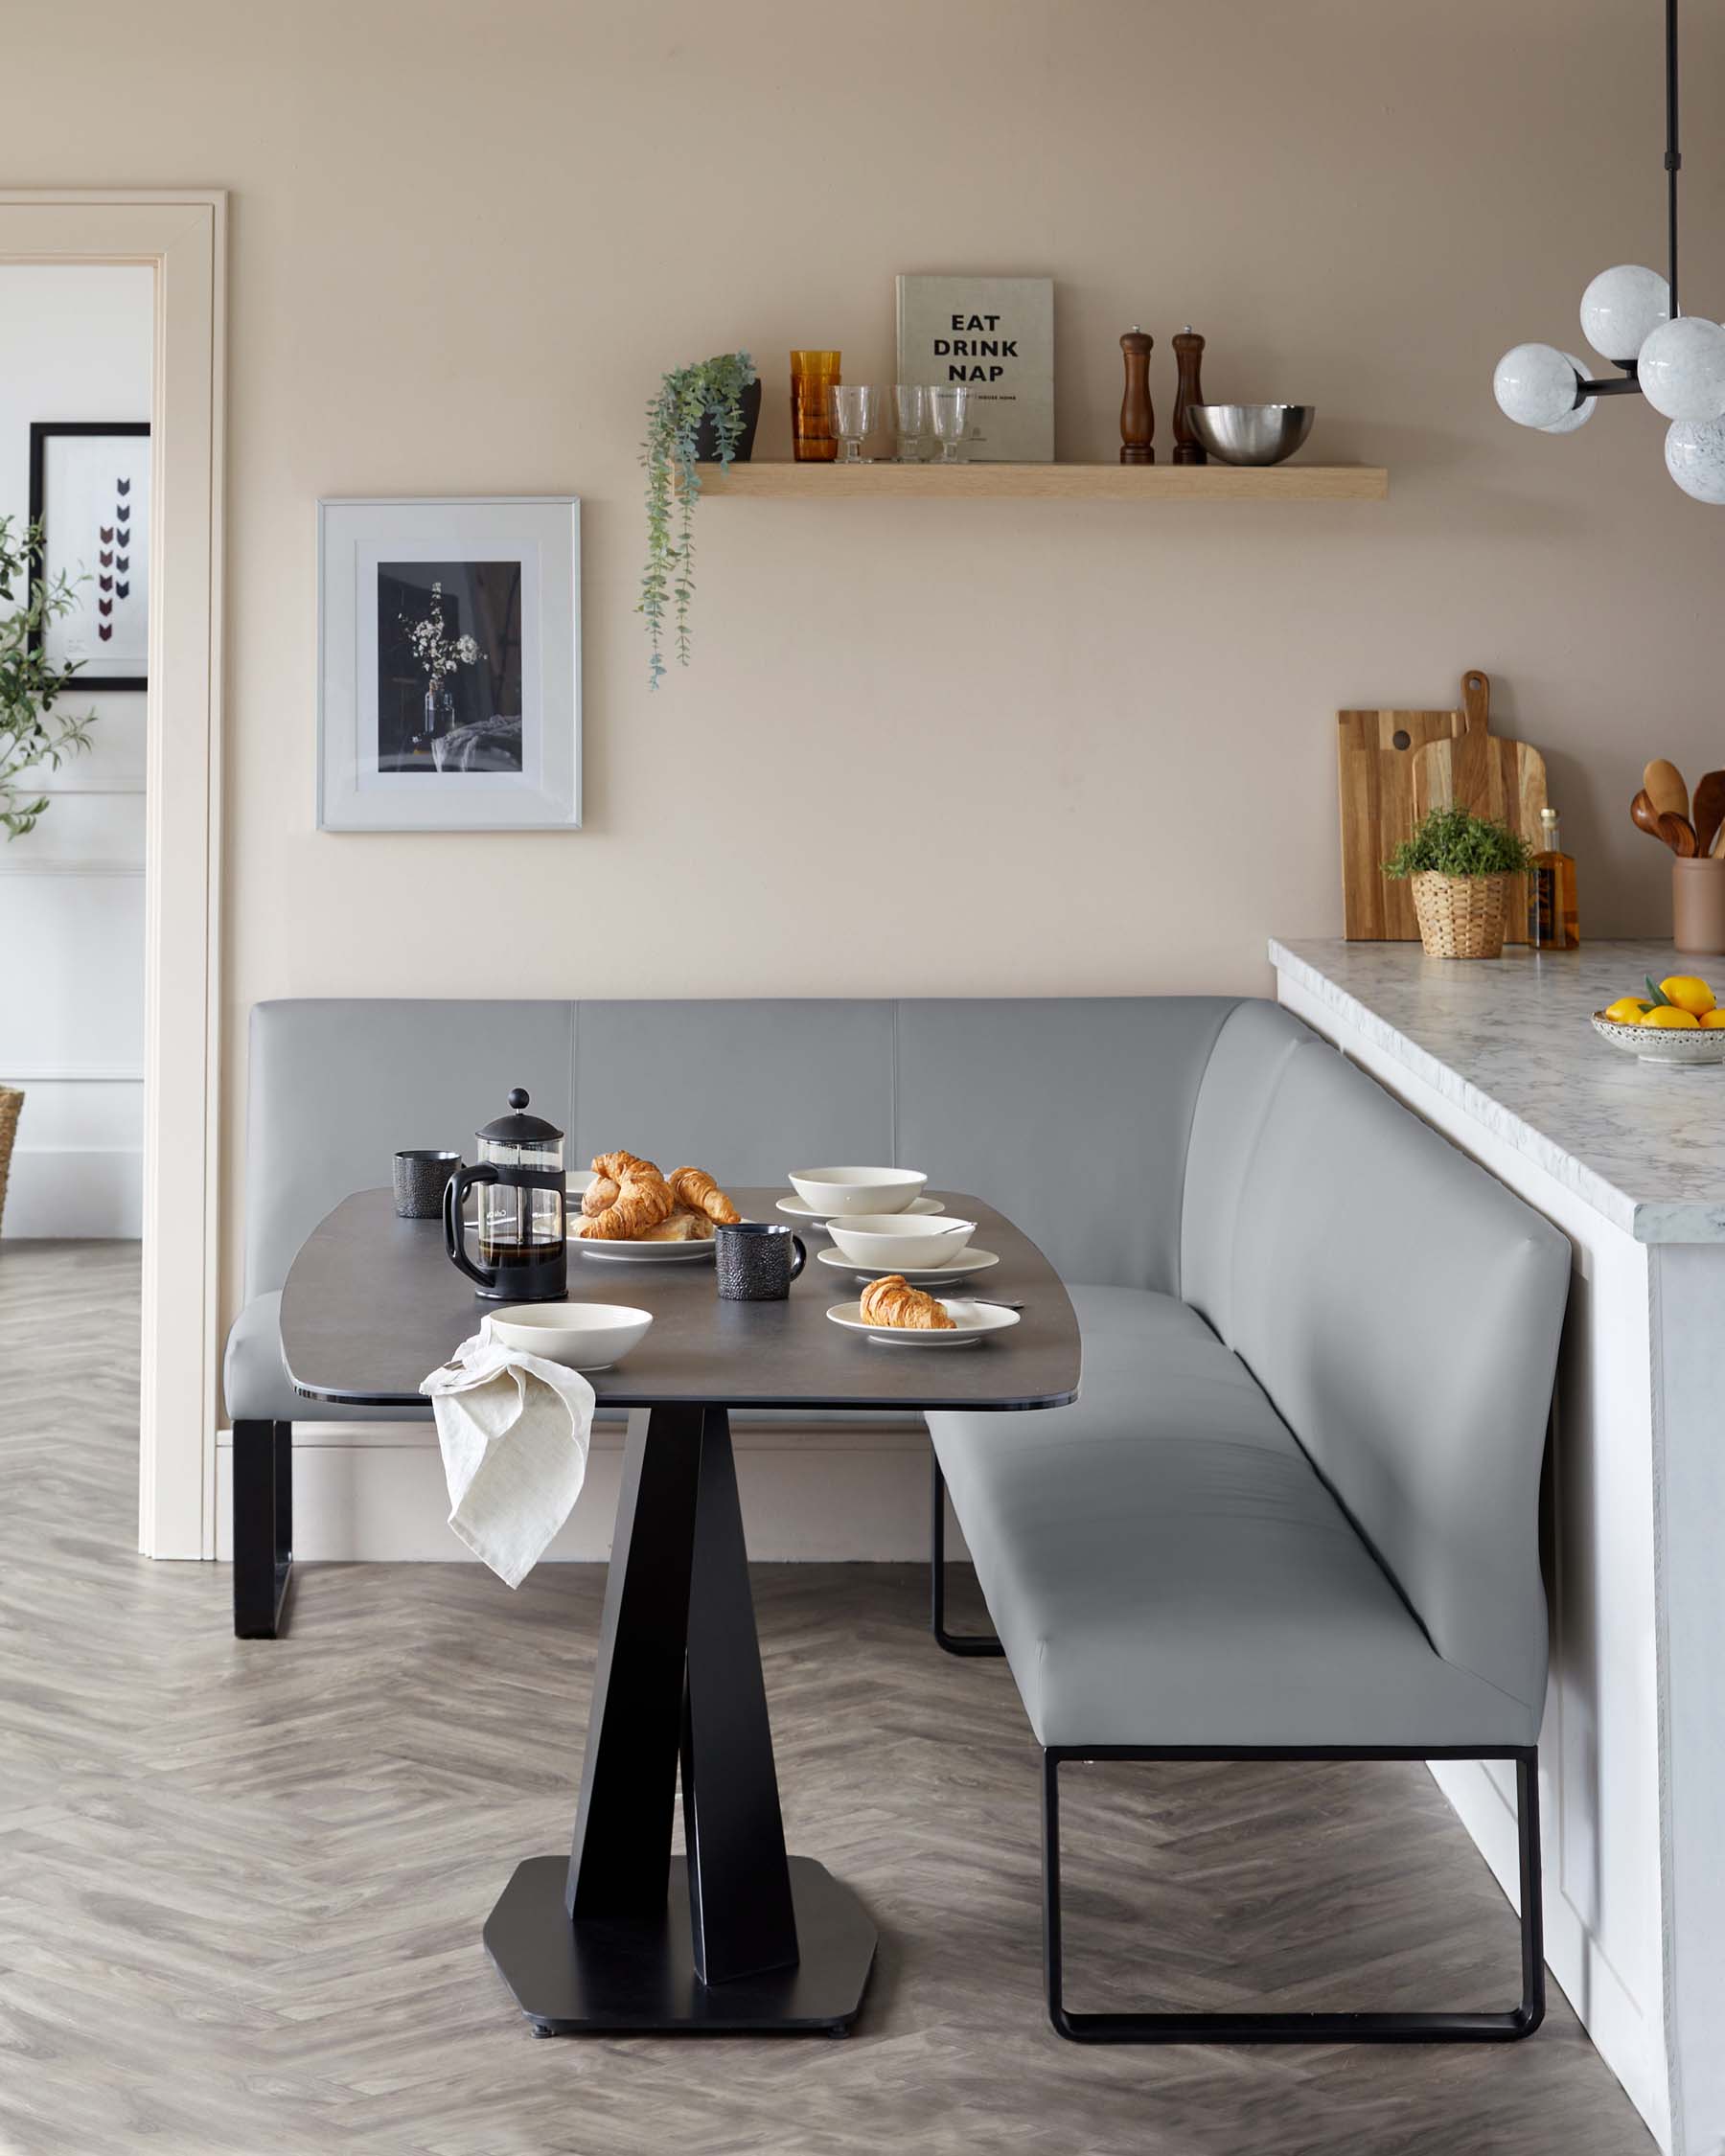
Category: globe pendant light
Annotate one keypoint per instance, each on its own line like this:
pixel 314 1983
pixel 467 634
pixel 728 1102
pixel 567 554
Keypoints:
pixel 1630 317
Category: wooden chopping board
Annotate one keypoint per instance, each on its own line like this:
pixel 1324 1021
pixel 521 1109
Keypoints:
pixel 1491 775
pixel 1376 751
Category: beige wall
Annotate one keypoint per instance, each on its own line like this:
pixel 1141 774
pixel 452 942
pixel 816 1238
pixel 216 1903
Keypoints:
pixel 467 240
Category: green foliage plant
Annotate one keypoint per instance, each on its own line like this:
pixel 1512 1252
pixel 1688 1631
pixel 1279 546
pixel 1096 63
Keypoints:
pixel 1456 842
pixel 711 389
pixel 34 735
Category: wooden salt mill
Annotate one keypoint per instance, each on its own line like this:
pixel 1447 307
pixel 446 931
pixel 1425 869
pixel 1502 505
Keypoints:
pixel 1188 353
pixel 1137 418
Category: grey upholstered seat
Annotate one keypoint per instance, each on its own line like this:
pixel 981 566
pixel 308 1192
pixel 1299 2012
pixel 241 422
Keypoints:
pixel 1166 1567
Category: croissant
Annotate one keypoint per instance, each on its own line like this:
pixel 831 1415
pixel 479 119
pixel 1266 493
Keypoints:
pixel 680 1227
pixel 698 1190
pixel 600 1193
pixel 643 1200
pixel 894 1301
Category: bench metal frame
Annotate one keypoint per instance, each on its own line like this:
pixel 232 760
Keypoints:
pixel 953 1642
pixel 1519 2021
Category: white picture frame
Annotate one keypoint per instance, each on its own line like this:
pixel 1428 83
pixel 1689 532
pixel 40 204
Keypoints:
pixel 475 601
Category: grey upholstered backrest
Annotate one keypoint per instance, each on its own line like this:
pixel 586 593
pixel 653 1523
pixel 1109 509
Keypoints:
pixel 1228 1126
pixel 336 1084
pixel 749 1089
pixel 1069 1113
pixel 1401 1309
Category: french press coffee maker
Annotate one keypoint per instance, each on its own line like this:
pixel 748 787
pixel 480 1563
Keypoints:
pixel 523 1196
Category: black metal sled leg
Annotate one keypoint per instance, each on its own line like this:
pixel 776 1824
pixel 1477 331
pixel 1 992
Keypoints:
pixel 954 1642
pixel 1521 2020
pixel 263 1526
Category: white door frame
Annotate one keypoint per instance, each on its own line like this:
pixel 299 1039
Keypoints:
pixel 182 234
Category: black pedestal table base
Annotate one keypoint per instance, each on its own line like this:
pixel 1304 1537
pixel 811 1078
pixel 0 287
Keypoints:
pixel 739 1936
pixel 606 1975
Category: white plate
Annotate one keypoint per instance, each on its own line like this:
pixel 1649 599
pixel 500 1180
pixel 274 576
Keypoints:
pixel 653 1253
pixel 971 1320
pixel 967 1261
pixel 797 1210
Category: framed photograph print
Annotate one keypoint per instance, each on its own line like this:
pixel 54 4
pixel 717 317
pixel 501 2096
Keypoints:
pixel 450 664
pixel 89 489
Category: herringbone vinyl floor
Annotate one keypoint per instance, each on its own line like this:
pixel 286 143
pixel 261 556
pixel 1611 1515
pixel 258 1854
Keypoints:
pixel 242 1885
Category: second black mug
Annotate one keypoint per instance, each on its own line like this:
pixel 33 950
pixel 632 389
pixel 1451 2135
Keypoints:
pixel 756 1261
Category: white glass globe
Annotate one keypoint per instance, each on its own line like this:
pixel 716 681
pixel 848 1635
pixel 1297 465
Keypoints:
pixel 1695 458
pixel 1621 309
pixel 1582 413
pixel 1536 385
pixel 1682 369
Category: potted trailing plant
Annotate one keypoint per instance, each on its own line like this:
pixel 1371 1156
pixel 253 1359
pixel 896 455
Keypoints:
pixel 708 410
pixel 1461 866
pixel 33 737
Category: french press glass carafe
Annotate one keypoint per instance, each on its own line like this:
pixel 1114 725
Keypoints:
pixel 522 1195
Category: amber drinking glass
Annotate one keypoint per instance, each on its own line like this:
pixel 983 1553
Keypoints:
pixel 814 377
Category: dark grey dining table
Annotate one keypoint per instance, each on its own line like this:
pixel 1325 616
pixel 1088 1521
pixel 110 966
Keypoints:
pixel 617 1936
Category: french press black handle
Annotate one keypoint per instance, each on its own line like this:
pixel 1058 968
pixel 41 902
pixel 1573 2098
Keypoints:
pixel 455 1192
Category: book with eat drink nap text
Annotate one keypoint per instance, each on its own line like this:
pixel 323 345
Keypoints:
pixel 994 336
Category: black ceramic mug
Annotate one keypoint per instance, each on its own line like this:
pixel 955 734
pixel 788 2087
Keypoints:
pixel 754 1261
pixel 419 1184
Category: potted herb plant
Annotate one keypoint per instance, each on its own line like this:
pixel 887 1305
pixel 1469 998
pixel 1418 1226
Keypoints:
pixel 708 411
pixel 1461 866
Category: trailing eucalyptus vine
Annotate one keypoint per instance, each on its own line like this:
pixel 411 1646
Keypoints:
pixel 33 737
pixel 712 389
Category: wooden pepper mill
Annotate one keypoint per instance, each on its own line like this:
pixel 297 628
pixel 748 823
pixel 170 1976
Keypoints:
pixel 1188 353
pixel 1137 418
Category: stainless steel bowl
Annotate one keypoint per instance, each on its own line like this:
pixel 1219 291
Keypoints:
pixel 1252 433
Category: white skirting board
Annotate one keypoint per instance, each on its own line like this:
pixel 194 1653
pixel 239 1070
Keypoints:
pixel 376 1492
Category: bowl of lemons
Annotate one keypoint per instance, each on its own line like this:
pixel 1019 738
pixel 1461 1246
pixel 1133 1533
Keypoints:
pixel 1677 1023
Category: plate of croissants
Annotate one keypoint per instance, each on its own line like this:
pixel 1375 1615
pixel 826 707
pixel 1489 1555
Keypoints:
pixel 894 1313
pixel 632 1210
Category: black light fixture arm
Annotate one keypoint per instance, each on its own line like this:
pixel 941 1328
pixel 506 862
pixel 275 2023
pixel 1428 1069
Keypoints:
pixel 1673 156
pixel 1627 383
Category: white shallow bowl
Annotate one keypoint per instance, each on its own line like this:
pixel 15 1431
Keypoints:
pixel 971 1321
pixel 586 1336
pixel 959 1267
pixel 894 1239
pixel 1677 1048
pixel 817 1216
pixel 857 1190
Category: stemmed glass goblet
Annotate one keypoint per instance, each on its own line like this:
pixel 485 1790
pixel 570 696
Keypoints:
pixel 854 412
pixel 948 408
pixel 910 403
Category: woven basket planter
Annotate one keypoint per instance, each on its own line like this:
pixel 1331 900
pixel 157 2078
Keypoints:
pixel 11 1101
pixel 1460 916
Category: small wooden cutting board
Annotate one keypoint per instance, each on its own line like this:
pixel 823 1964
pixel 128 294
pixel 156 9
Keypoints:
pixel 1491 775
pixel 1375 757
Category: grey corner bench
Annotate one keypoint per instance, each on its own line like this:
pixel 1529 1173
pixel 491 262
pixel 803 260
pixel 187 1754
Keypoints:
pixel 1293 1514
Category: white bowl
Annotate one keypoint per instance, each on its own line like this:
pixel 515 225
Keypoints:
pixel 586 1336
pixel 1676 1047
pixel 857 1190
pixel 893 1239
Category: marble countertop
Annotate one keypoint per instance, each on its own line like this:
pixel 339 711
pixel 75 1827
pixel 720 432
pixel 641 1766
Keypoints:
pixel 1509 1042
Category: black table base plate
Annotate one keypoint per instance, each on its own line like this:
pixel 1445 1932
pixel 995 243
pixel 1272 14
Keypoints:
pixel 611 1975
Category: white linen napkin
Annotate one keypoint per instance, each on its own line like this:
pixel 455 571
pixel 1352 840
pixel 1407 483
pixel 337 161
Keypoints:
pixel 514 1432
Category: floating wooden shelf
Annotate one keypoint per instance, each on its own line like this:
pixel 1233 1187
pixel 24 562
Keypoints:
pixel 781 480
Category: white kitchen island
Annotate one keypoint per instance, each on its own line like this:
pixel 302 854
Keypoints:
pixel 1629 1160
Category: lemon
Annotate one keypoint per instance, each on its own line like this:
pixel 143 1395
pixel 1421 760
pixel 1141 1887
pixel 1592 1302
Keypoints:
pixel 1689 993
pixel 1712 1021
pixel 1628 1010
pixel 1673 1018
